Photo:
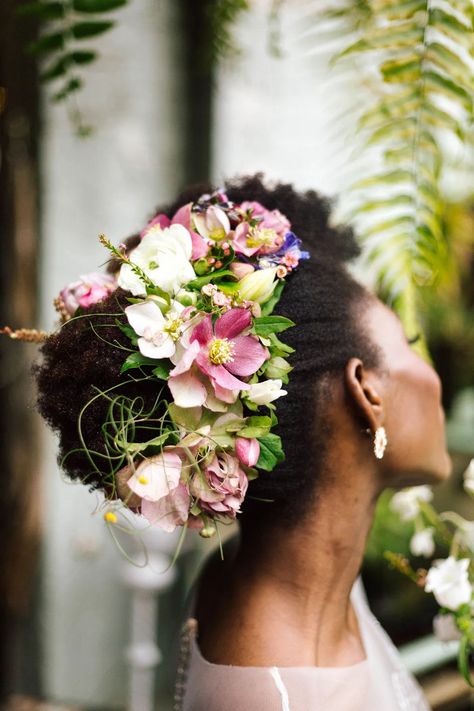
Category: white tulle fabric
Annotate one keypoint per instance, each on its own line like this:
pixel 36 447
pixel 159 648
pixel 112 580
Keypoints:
pixel 379 683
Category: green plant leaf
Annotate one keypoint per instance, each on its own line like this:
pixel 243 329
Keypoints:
pixel 406 34
pixel 463 659
pixel 451 63
pixel 398 129
pixel 452 27
pixel 266 325
pixel 93 6
pixel 392 176
pixel 84 30
pixel 197 284
pixel 401 70
pixel 70 87
pixel 136 360
pixel 42 10
pixel 441 84
pixel 47 43
pixel 61 66
pixel 269 305
pixel 255 426
pixel 271 452
pixel 162 371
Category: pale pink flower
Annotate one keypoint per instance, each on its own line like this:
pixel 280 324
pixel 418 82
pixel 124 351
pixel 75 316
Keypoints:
pixel 220 351
pixel 155 477
pixel 89 289
pixel 221 487
pixel 271 219
pixel 169 511
pixel 212 224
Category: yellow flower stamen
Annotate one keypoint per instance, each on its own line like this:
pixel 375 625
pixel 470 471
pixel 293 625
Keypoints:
pixel 173 326
pixel 258 237
pixel 110 517
pixel 142 479
pixel 221 351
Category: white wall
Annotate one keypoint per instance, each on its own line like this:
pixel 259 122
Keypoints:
pixel 108 183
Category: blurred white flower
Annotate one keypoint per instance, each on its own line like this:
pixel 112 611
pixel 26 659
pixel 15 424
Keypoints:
pixel 407 502
pixel 449 582
pixel 266 391
pixel 469 478
pixel 445 628
pixel 164 256
pixel 422 543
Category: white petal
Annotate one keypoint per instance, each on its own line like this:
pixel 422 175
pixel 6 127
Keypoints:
pixel 187 390
pixel 149 350
pixel 143 316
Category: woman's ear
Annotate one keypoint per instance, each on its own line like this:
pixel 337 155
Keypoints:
pixel 363 389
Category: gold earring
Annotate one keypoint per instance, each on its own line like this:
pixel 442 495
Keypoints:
pixel 380 442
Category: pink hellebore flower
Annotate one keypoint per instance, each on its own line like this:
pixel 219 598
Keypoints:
pixel 250 240
pixel 220 352
pixel 181 217
pixel 170 511
pixel 272 219
pixel 213 224
pixel 247 450
pixel 89 289
pixel 222 486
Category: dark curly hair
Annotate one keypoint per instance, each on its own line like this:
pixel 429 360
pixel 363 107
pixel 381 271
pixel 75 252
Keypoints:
pixel 322 298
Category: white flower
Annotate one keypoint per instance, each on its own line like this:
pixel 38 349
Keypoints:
pixel 265 392
pixel 164 256
pixel 158 333
pixel 407 502
pixel 445 628
pixel 449 582
pixel 422 543
pixel 258 285
pixel 469 478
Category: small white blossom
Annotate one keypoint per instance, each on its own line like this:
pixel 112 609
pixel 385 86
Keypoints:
pixel 158 333
pixel 469 477
pixel 449 582
pixel 407 502
pixel 422 543
pixel 266 391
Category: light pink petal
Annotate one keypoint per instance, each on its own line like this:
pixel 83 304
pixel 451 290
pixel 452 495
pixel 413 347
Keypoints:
pixel 200 246
pixel 232 323
pixel 220 376
pixel 187 390
pixel 203 331
pixel 247 450
pixel 170 511
pixel 183 216
pixel 249 355
pixel 227 396
pixel 161 473
pixel 240 240
pixel 161 220
pixel 186 360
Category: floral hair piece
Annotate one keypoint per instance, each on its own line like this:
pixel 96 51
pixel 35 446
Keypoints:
pixel 202 288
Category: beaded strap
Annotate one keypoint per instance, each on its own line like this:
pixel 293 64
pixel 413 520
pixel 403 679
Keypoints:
pixel 188 633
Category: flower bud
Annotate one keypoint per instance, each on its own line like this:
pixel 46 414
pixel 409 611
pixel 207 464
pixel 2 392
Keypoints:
pixel 247 450
pixel 201 266
pixel 277 368
pixel 258 286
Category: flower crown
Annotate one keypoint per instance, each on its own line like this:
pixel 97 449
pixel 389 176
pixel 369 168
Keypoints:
pixel 201 287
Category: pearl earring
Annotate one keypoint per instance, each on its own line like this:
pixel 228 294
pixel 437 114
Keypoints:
pixel 380 442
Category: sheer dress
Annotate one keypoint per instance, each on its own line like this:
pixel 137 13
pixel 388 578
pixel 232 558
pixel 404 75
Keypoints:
pixel 378 683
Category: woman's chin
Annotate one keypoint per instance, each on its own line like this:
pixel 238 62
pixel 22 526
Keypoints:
pixel 435 474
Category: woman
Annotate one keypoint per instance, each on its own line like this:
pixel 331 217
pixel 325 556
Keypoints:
pixel 282 622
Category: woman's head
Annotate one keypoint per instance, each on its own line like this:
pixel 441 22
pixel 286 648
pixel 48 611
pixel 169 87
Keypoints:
pixel 350 352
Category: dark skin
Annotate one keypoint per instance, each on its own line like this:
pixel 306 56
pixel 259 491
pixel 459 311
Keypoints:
pixel 284 598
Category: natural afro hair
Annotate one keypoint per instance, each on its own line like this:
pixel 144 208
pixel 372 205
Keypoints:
pixel 322 298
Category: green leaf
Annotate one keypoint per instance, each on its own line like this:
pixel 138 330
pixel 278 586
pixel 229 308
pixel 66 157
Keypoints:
pixel 394 222
pixel 463 659
pixel 60 67
pixel 83 30
pixel 397 105
pixel 136 360
pixel 127 330
pixel 441 119
pixel 43 10
pixel 269 305
pixel 405 34
pixel 162 371
pixel 440 84
pixel 266 325
pixel 71 86
pixel 271 452
pixel 451 63
pixel 159 441
pixel 278 348
pixel 393 176
pixel 401 70
pixel 384 204
pixel 94 6
pixel 452 27
pixel 47 43
pixel 198 283
pixel 398 129
pixel 399 10
pixel 255 426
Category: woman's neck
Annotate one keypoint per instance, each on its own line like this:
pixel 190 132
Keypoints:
pixel 286 600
